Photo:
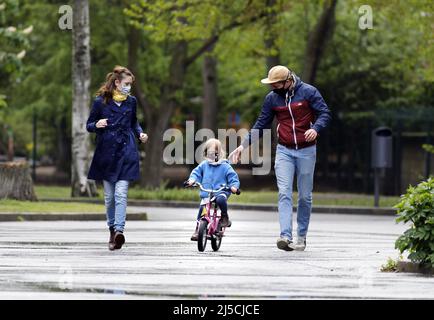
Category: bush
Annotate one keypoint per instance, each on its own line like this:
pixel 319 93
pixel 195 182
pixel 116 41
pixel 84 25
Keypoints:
pixel 417 207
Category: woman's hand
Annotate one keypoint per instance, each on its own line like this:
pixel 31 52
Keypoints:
pixel 234 190
pixel 143 137
pixel 101 123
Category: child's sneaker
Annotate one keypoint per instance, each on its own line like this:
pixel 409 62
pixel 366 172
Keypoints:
pixel 195 235
pixel 225 222
pixel 300 245
pixel 285 244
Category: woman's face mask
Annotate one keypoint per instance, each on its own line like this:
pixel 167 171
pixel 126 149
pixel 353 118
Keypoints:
pixel 125 89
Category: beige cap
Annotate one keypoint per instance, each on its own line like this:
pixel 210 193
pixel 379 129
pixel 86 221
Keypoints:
pixel 276 74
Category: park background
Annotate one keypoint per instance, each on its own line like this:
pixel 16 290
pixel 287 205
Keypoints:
pixel 202 61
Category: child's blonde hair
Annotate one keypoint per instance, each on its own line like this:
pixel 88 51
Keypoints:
pixel 217 145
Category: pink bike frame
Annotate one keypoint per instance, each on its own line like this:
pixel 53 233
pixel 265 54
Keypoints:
pixel 212 218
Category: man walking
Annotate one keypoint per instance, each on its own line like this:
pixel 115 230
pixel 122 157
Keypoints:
pixel 301 114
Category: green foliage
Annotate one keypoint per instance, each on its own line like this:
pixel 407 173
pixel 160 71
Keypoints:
pixel 391 265
pixel 428 148
pixel 417 207
pixel 13 44
pixel 262 197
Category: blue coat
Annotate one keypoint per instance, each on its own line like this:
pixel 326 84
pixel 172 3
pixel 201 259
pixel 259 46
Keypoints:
pixel 213 176
pixel 116 156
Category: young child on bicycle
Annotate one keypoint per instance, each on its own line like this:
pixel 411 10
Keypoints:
pixel 214 171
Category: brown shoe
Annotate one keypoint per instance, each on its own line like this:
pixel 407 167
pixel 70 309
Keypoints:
pixel 195 235
pixel 225 222
pixel 119 239
pixel 111 244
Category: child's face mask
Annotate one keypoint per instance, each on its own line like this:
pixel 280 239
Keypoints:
pixel 212 156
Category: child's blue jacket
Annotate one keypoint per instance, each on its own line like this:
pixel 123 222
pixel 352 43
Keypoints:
pixel 213 176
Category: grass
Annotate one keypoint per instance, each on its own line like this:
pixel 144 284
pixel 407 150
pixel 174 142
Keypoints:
pixel 46 207
pixel 257 197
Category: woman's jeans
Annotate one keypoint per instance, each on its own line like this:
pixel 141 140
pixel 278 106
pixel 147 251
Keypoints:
pixel 115 196
pixel 300 162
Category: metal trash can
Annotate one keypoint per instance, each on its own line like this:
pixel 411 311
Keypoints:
pixel 381 148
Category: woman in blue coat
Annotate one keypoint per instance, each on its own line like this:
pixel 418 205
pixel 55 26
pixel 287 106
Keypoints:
pixel 116 159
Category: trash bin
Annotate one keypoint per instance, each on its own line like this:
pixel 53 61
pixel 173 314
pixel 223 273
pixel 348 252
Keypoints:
pixel 381 148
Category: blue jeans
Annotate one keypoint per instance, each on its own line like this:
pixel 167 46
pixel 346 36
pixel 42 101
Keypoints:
pixel 222 203
pixel 115 197
pixel 302 163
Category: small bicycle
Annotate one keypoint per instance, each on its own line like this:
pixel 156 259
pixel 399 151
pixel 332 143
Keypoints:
pixel 209 224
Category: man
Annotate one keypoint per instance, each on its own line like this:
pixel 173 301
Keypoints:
pixel 301 114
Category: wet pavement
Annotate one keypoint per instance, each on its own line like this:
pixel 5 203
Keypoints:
pixel 70 260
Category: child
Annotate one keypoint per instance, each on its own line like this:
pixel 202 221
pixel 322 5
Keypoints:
pixel 212 173
pixel 116 159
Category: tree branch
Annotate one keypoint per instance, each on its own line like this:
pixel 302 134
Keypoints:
pixel 213 39
pixel 133 45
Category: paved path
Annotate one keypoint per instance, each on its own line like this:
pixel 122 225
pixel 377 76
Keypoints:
pixel 70 260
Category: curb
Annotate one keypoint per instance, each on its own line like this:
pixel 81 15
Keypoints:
pixel 238 206
pixel 65 216
pixel 407 266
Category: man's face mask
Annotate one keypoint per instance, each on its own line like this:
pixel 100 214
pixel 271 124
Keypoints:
pixel 281 91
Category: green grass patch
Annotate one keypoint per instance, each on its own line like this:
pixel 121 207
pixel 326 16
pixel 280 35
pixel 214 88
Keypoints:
pixel 13 206
pixel 256 197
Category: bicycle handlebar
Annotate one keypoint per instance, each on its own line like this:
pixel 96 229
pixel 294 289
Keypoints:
pixel 197 184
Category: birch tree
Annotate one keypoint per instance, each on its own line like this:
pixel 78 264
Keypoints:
pixel 80 101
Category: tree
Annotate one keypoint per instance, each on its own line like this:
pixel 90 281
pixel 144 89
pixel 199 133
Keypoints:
pixel 178 25
pixel 81 100
pixel 15 179
pixel 318 39
pixel 210 92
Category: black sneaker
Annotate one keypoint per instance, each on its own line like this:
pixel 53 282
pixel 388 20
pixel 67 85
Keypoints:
pixel 119 239
pixel 285 244
pixel 111 244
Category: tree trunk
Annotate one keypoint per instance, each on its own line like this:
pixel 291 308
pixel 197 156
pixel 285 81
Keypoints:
pixel 152 165
pixel 80 101
pixel 210 103
pixel 157 117
pixel 318 39
pixel 63 158
pixel 16 181
pixel 10 145
pixel 272 59
pixel 270 36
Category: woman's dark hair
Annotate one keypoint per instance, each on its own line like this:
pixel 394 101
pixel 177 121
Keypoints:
pixel 118 73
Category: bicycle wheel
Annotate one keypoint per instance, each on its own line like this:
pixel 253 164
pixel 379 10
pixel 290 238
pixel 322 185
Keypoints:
pixel 216 239
pixel 202 235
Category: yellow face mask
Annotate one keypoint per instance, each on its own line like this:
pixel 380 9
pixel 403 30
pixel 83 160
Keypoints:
pixel 119 96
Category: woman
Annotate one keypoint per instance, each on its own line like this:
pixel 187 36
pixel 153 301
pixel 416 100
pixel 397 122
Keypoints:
pixel 116 159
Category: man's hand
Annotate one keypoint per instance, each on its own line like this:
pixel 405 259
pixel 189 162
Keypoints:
pixel 101 123
pixel 234 190
pixel 310 135
pixel 190 182
pixel 143 137
pixel 236 154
